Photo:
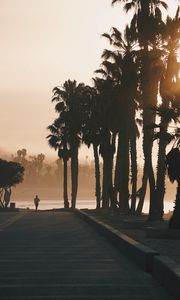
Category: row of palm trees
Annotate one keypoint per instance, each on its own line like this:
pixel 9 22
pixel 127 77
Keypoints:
pixel 136 89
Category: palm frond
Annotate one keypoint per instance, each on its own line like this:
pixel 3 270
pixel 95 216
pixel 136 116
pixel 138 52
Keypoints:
pixel 107 54
pixel 59 107
pixel 53 129
pixel 55 98
pixel 177 13
pixel 168 114
pixel 107 36
pixel 158 14
pixel 129 6
pixel 101 71
pixel 109 66
pixel 56 89
pixel 116 34
pixel 115 1
pixel 129 35
pixel 118 45
pixel 52 141
pixel 58 123
pixel 167 137
pixel 164 5
pixel 59 94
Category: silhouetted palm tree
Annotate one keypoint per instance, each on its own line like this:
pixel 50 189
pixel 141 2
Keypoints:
pixel 147 24
pixel 125 76
pixel 105 95
pixel 171 40
pixel 165 110
pixel 59 141
pixel 91 134
pixel 68 98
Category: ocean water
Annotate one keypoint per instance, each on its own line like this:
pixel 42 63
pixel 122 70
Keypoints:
pixel 50 204
pixel 91 204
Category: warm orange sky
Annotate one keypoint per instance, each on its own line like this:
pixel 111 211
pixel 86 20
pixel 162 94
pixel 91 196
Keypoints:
pixel 43 43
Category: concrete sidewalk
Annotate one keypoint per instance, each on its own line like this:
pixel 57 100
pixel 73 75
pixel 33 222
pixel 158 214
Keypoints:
pixel 55 255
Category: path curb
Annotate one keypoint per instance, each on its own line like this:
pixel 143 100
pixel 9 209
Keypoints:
pixel 138 253
pixel 167 272
pixel 162 268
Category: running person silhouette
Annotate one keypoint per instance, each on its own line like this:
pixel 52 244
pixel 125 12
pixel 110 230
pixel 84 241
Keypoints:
pixel 36 202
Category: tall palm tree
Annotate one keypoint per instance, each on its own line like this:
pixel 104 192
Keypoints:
pixel 125 76
pixel 111 71
pixel 171 36
pixel 68 98
pixel 146 21
pixel 91 134
pixel 58 140
pixel 105 94
pixel 165 111
pixel 147 24
pixel 151 73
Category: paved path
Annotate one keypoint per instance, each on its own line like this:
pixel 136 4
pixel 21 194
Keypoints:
pixel 55 255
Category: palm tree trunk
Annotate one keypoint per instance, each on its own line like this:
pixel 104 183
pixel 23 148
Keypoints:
pixel 106 183
pixel 148 173
pixel 175 219
pixel 97 176
pixel 166 92
pixel 117 171
pixel 66 202
pixel 147 148
pixel 108 149
pixel 151 76
pixel 124 173
pixel 74 176
pixel 142 193
pixel 133 150
pixel 161 172
pixel 152 206
pixel 124 189
pixel 1 194
pixel 121 178
pixel 111 166
pixel 148 152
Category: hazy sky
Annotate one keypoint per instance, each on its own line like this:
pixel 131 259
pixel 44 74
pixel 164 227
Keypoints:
pixel 44 43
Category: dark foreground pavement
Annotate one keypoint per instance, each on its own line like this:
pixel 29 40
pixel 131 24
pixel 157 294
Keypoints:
pixel 55 255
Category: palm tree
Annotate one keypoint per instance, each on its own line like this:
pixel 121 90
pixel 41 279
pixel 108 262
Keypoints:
pixel 58 140
pixel 147 24
pixel 91 134
pixel 105 94
pixel 165 110
pixel 107 88
pixel 172 35
pixel 125 77
pixel 68 98
pixel 146 21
